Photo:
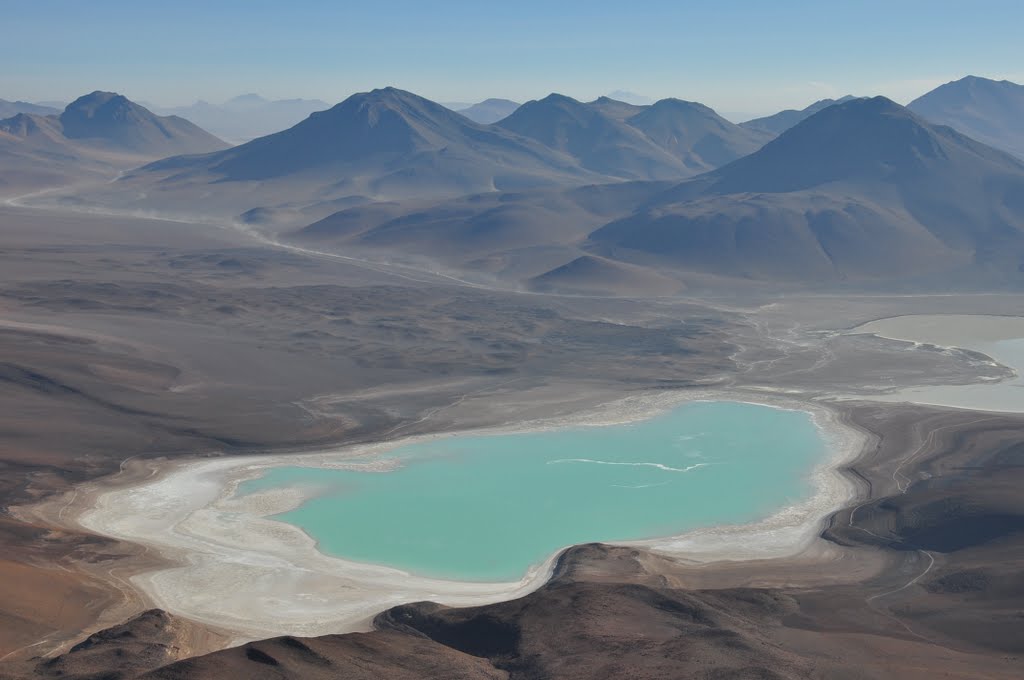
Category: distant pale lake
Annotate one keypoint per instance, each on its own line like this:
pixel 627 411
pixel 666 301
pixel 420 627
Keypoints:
pixel 487 508
pixel 999 337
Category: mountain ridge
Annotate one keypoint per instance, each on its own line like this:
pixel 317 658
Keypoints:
pixel 989 111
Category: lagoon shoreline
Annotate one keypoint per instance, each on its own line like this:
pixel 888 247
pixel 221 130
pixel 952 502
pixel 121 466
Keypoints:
pixel 204 546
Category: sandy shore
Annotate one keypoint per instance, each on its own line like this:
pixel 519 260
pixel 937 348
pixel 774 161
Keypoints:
pixel 227 565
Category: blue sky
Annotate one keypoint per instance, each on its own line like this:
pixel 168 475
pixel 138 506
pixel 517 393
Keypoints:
pixel 735 55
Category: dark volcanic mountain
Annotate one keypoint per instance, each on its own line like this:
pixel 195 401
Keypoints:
pixel 598 141
pixel 860 190
pixel 8 109
pixel 695 134
pixel 114 122
pixel 783 120
pixel 987 110
pixel 489 111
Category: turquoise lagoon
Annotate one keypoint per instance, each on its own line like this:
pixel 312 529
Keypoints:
pixel 475 507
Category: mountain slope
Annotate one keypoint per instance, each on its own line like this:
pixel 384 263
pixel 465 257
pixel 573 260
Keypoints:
pixel 489 111
pixel 616 109
pixel 860 190
pixel 9 109
pixel 598 141
pixel 695 134
pixel 96 137
pixel 783 120
pixel 381 145
pixel 114 122
pixel 989 111
pixel 405 138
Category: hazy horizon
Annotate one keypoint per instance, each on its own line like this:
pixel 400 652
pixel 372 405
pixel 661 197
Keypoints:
pixel 743 58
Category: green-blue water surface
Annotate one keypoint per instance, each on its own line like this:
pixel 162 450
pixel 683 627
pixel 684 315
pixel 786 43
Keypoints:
pixel 488 507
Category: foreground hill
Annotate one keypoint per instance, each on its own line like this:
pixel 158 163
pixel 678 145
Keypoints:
pixel 860 190
pixel 778 123
pixel 987 110
pixel 511 236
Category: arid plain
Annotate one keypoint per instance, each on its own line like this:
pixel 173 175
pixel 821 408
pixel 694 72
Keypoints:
pixel 178 314
pixel 131 344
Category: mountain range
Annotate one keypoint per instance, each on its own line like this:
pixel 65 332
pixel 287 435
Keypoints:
pixel 247 116
pixel 988 110
pixel 9 109
pixel 778 123
pixel 567 195
pixel 94 136
pixel 859 192
pixel 389 145
pixel 489 110
pixel 864 189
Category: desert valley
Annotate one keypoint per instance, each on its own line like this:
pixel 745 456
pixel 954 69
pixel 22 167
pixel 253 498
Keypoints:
pixel 389 388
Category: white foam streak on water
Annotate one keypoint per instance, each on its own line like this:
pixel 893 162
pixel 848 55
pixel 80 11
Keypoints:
pixel 666 468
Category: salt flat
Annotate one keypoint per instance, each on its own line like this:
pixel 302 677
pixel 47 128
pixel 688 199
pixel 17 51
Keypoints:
pixel 998 337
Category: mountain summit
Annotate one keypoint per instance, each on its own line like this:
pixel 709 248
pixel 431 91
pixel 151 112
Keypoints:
pixel 117 123
pixel 94 138
pixel 988 110
pixel 863 189
pixel 783 120
pixel 489 110
pixel 386 144
pixel 390 140
pixel 598 141
pixel 695 134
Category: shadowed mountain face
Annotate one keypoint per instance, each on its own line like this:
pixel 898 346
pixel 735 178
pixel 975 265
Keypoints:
pixel 113 121
pixel 860 190
pixel 987 110
pixel 783 120
pixel 489 111
pixel 8 109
